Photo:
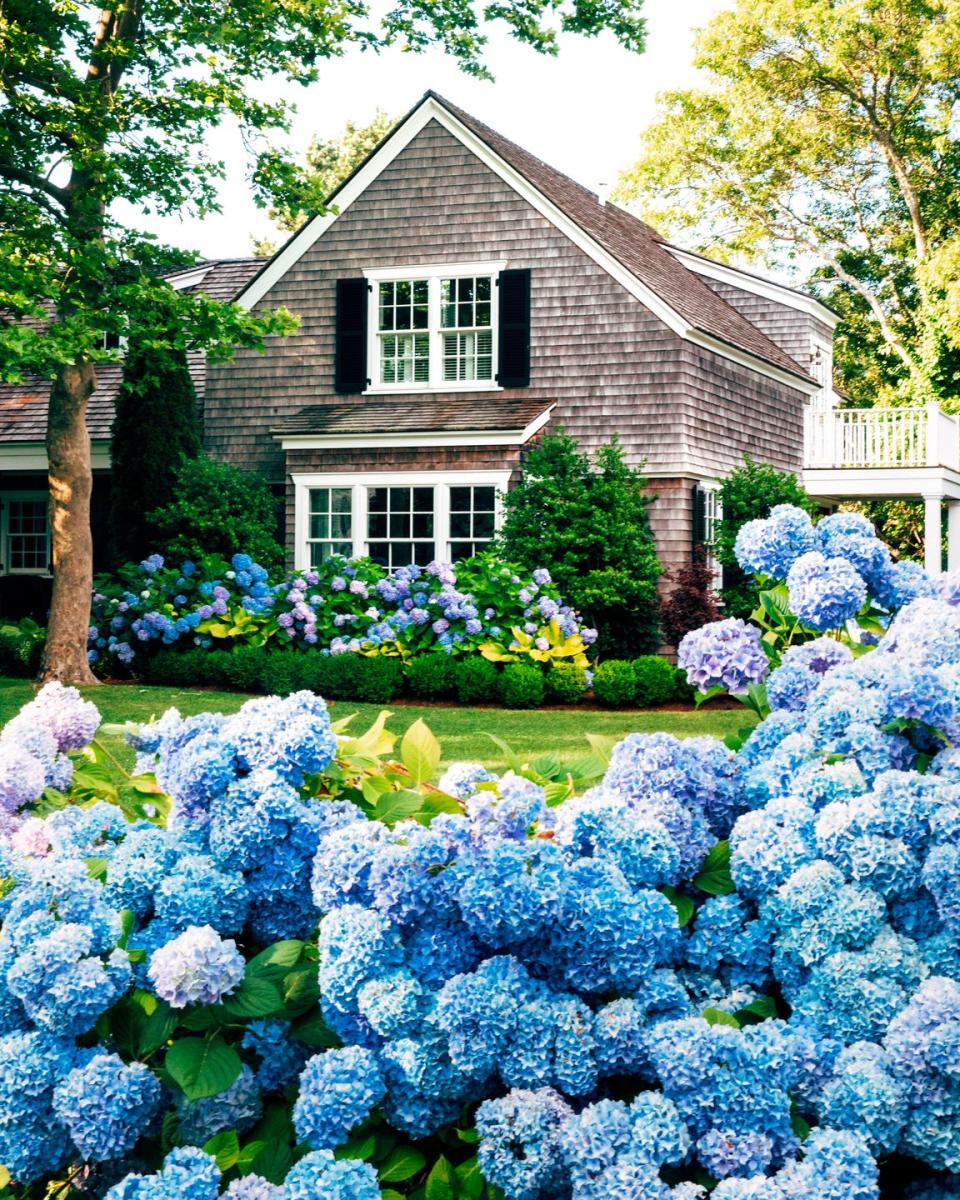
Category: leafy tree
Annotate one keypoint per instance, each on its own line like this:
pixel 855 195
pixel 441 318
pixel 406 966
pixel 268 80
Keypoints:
pixel 825 133
pixel 692 602
pixel 328 164
pixel 156 424
pixel 588 521
pixel 747 494
pixel 114 104
pixel 215 508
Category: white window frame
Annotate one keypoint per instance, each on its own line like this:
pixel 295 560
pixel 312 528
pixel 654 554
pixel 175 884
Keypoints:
pixel 5 567
pixel 822 348
pixel 440 481
pixel 433 273
pixel 712 514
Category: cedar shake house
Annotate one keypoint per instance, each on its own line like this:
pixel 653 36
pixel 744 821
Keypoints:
pixel 459 298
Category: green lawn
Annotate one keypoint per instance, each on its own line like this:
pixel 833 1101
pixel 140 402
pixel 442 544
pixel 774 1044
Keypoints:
pixel 460 730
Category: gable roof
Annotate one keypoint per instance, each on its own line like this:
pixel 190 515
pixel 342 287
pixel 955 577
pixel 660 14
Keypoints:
pixel 23 406
pixel 629 249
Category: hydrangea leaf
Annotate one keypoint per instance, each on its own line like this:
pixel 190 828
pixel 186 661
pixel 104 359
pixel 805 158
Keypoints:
pixel 256 997
pixel 402 1164
pixel 359 1146
pixel 203 1066
pixel 420 752
pixel 763 1009
pixel 272 1161
pixel 225 1148
pixel 442 1181
pixel 397 806
pixel 314 1031
pixel 469 1179
pixel 276 960
pixel 714 876
pixel 716 1016
pixel 683 904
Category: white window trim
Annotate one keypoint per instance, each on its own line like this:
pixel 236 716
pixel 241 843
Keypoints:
pixel 433 273
pixel 441 481
pixel 825 397
pixel 5 498
pixel 712 514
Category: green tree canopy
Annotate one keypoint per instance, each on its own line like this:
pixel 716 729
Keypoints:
pixel 587 521
pixel 115 104
pixel 327 164
pixel 824 133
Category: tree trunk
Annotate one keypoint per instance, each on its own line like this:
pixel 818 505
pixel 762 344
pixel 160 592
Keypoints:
pixel 71 484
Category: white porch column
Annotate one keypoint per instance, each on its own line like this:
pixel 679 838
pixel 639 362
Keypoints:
pixel 932 550
pixel 953 535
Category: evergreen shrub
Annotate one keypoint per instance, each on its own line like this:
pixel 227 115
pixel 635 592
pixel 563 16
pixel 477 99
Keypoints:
pixel 476 680
pixel 564 683
pixel 522 685
pixel 431 676
pixel 615 683
pixel 655 680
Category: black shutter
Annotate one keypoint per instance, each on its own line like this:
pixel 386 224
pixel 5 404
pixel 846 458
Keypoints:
pixel 513 345
pixel 351 347
pixel 699 522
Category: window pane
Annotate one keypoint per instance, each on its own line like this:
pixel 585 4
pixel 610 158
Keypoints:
pixel 420 291
pixel 484 499
pixel 483 314
pixel 377 499
pixel 403 291
pixel 461 550
pixel 400 525
pixel 423 525
pixel 459 524
pixel 340 525
pixel 377 525
pixel 319 525
pixel 319 500
pixel 342 500
pixel 460 498
pixel 483 524
pixel 483 287
pixel 399 499
pixel 423 499
pixel 27 535
pixel 465 290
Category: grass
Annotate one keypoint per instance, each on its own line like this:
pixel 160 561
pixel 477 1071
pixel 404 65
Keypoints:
pixel 462 731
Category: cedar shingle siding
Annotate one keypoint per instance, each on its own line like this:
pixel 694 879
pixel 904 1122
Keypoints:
pixel 608 364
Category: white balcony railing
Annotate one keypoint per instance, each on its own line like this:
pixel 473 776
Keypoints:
pixel 881 437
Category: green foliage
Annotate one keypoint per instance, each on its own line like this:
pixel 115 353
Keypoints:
pixel 522 685
pixel 214 508
pixel 588 518
pixel 655 679
pixel 327 164
pixel 21 646
pixel 155 426
pixel 476 680
pixel 749 493
pixel 692 602
pixel 822 132
pixel 714 877
pixel 615 683
pixel 564 683
pixel 430 676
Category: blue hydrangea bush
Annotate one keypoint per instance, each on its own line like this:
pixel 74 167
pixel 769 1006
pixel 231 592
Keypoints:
pixel 342 606
pixel 827 592
pixel 292 963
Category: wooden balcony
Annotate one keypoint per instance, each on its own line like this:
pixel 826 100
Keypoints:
pixel 881 439
pixel 889 453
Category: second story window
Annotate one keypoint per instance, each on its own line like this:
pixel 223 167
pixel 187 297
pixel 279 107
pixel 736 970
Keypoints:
pixel 434 328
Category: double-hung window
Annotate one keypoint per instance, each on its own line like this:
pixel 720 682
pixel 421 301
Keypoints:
pixel 397 519
pixel 24 534
pixel 433 328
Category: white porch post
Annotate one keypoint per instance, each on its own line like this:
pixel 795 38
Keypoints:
pixel 953 535
pixel 932 550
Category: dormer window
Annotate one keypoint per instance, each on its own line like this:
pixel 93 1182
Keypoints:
pixel 433 329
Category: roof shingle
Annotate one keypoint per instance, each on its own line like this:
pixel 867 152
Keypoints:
pixel 395 414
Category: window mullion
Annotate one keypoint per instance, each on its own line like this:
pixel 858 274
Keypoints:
pixel 436 336
pixel 359 519
pixel 441 520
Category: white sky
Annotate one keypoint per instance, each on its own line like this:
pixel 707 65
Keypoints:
pixel 582 111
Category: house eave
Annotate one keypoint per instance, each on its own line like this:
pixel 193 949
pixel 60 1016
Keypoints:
pixel 32 456
pixel 769 289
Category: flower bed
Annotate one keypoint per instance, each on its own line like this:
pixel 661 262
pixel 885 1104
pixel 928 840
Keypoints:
pixel 283 963
pixel 151 612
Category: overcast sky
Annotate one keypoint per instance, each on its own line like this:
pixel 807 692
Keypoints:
pixel 582 111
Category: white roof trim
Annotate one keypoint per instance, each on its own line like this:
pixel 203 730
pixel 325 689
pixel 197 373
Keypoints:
pixel 431 110
pixel 768 288
pixel 32 456
pixel 440 437
pixel 189 277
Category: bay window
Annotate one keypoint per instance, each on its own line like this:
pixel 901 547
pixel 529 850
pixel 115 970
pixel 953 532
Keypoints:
pixel 397 518
pixel 433 328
